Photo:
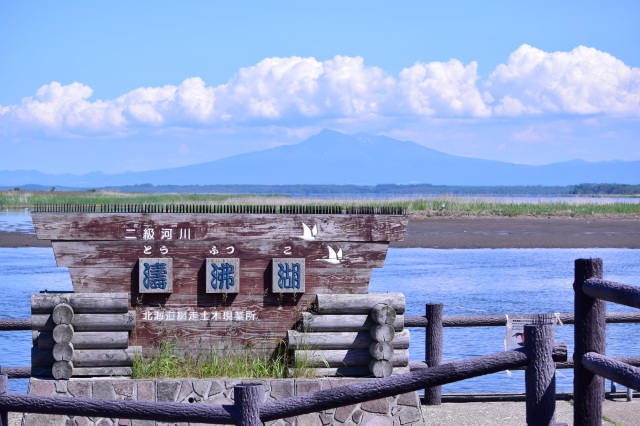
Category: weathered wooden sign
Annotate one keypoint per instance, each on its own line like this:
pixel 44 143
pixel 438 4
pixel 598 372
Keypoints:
pixel 209 279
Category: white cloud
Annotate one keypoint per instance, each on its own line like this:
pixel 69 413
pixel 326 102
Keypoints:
pixel 442 88
pixel 582 81
pixel 281 91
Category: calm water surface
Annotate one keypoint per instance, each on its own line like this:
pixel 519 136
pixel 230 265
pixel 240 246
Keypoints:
pixel 467 282
pixel 501 281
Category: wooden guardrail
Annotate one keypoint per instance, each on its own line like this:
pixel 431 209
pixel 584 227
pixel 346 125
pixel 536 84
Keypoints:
pixel 433 321
pixel 591 366
pixel 248 408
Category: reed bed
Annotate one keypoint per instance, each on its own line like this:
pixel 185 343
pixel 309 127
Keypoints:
pixel 447 206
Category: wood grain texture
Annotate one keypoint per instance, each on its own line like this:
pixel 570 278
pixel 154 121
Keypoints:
pixel 192 254
pixel 381 350
pixel 623 294
pixel 382 333
pixel 362 371
pixel 212 227
pixel 44 303
pixel 87 357
pixel 612 369
pixel 88 322
pixel 63 351
pixel 380 368
pixel 501 320
pixel 357 304
pixel 247 401
pixel 62 333
pixel 383 314
pixel 192 281
pixel 62 314
pixel 341 340
pixel 346 357
pixel 589 336
pixel 540 375
pixel 87 340
pixel 433 348
pixel 312 322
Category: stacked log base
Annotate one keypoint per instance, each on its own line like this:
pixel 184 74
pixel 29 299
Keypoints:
pixel 77 335
pixel 352 336
pixel 402 409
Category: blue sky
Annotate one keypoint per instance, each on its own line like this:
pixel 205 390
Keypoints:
pixel 115 86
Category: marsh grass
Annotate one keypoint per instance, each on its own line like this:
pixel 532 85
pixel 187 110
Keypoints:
pixel 170 361
pixel 31 198
pixel 447 206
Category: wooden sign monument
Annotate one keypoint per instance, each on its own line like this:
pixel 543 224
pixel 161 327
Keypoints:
pixel 218 276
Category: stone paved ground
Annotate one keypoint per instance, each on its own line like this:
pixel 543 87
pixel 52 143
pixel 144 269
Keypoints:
pixel 500 413
pixel 616 412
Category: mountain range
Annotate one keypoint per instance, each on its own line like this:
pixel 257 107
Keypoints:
pixel 335 158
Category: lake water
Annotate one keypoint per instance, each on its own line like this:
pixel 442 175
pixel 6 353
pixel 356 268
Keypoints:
pixel 467 282
pixel 501 281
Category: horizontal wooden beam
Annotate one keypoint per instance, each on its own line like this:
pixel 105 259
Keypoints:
pixel 358 304
pixel 139 410
pixel 89 357
pixel 88 340
pixel 362 371
pixel 610 291
pixel 13 324
pixel 345 358
pixel 82 303
pixel 89 322
pixel 218 227
pixel 312 322
pixel 501 320
pixel 192 254
pixel 609 368
pixel 341 340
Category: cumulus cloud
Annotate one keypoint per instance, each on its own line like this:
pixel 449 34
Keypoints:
pixel 582 81
pixel 277 91
pixel 442 88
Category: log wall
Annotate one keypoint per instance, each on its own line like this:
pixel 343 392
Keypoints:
pixel 333 341
pixel 82 334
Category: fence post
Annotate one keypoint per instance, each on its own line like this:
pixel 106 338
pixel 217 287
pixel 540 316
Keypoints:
pixel 589 336
pixel 433 349
pixel 247 401
pixel 540 375
pixel 4 382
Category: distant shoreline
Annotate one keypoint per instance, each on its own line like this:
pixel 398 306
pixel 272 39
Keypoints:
pixel 479 232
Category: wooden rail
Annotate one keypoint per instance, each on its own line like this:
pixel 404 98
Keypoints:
pixel 501 320
pixel 433 321
pixel 591 365
pixel 249 409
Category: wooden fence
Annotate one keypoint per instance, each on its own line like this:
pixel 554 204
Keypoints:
pixel 433 322
pixel 248 408
pixel 591 366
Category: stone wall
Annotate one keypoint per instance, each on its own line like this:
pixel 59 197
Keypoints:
pixel 393 411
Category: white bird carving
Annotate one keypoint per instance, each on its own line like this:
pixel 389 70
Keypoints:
pixel 333 256
pixel 309 233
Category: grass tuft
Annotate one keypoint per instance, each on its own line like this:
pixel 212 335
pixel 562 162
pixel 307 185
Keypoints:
pixel 168 361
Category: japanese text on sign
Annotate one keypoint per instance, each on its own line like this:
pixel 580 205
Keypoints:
pixel 157 315
pixel 155 275
pixel 149 233
pixel 288 275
